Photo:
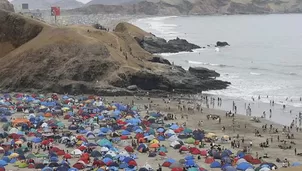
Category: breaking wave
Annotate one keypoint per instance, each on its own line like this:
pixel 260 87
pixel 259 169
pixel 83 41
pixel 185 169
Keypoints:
pixel 208 64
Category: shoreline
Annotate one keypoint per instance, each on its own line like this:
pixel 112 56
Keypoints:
pixel 243 126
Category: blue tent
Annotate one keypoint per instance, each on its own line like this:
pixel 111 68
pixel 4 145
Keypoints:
pixel 174 126
pixel 123 165
pixel 215 164
pixel 241 154
pixel 47 169
pixel 54 159
pixel 170 160
pixel 125 132
pixel 3 163
pixel 296 164
pixel 139 131
pixel 160 130
pixel 104 129
pixel 189 157
pixel 243 166
pixel 161 138
pixel 190 163
pixel 5 158
pixel 36 140
pixel 229 168
pixel 107 160
pixel 73 169
pixel 142 148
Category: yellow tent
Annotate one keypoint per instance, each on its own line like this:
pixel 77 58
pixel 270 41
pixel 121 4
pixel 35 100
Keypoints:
pixel 154 141
pixel 13 155
pixel 210 135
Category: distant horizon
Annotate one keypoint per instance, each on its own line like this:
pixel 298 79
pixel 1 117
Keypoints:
pixel 83 1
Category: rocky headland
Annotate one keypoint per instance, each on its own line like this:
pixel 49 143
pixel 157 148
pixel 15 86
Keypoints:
pixel 39 57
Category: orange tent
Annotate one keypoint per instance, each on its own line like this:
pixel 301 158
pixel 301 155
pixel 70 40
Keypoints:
pixel 20 120
pixel 47 115
pixel 155 145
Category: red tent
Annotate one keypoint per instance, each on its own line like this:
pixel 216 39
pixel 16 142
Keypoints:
pixel 55 149
pixel 162 154
pixel 139 135
pixel 166 164
pixel 204 152
pixel 85 156
pixel 98 163
pixel 60 152
pixel 209 160
pixel 67 156
pixel 45 142
pixel 67 116
pixel 177 169
pixel 195 151
pixel 82 148
pixel 255 161
pixel 124 137
pixel 129 149
pixel 184 148
pixel 132 163
pixel 31 166
pixel 79 166
pixel 248 158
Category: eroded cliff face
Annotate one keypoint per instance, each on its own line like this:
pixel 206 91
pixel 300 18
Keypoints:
pixel 5 5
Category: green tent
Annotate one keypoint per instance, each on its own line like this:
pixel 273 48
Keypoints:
pixel 104 142
pixel 134 108
pixel 23 165
pixel 30 156
pixel 188 131
pixel 41 155
pixel 190 140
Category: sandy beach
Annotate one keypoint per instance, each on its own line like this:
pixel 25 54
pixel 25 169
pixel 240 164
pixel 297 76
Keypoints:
pixel 239 128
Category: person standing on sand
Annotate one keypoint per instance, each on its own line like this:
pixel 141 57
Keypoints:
pixel 295 151
pixel 270 113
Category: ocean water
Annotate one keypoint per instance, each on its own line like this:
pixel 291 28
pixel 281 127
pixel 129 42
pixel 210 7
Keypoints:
pixel 264 59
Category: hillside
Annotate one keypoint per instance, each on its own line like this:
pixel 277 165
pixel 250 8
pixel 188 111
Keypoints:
pixel 197 7
pixel 46 4
pixel 110 2
pixel 81 59
pixel 5 5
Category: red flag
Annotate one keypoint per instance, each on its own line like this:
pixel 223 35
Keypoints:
pixel 55 11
